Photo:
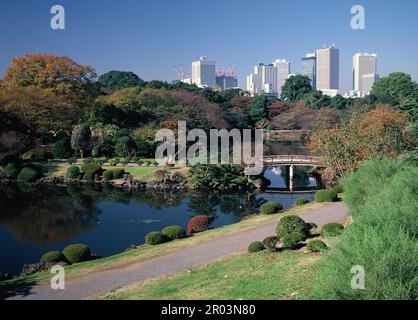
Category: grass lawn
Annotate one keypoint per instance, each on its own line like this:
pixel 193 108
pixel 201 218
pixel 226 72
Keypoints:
pixel 147 252
pixel 140 173
pixel 264 275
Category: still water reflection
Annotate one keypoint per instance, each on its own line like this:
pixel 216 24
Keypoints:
pixel 36 220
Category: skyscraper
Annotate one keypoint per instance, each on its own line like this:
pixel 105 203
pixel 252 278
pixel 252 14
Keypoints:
pixel 263 74
pixel 204 72
pixel 364 72
pixel 327 69
pixel 283 69
pixel 309 67
pixel 226 82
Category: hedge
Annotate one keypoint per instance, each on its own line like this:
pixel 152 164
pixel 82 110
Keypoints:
pixel 107 175
pixel 326 196
pixel 198 224
pixel 174 232
pixel 73 172
pixel 291 230
pixel 331 230
pixel 12 170
pixel 118 173
pixel 301 201
pixel 316 246
pixel 256 246
pixel 271 207
pixel 91 168
pixel 155 238
pixel 28 174
pixel 77 253
pixel 52 257
pixel 270 243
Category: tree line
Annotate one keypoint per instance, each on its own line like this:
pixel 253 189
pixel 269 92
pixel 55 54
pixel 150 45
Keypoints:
pixel 52 100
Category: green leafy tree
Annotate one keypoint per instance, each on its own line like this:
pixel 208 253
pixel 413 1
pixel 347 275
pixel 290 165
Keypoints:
pixel 398 89
pixel 125 147
pixel 317 100
pixel 80 139
pixel 295 88
pixel 218 177
pixel 120 79
pixel 258 108
pixel 62 148
pixel 338 102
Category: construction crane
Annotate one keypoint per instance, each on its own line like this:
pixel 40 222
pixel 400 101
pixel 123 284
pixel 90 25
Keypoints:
pixel 231 70
pixel 219 70
pixel 180 72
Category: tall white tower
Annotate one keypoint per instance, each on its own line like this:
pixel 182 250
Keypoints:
pixel 328 68
pixel 204 72
pixel 364 72
pixel 283 70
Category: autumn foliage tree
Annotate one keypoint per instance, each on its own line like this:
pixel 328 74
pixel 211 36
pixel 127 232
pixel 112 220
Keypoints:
pixel 62 74
pixel 379 133
pixel 46 92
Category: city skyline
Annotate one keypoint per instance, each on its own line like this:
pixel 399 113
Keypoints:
pixel 151 38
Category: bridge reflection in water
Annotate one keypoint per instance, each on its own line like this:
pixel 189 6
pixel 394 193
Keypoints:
pixel 292 173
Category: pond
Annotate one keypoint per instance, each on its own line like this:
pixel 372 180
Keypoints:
pixel 36 220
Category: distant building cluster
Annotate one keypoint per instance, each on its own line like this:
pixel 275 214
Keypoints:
pixel 268 78
pixel 207 73
pixel 322 67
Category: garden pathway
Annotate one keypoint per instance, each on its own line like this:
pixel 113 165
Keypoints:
pixel 179 260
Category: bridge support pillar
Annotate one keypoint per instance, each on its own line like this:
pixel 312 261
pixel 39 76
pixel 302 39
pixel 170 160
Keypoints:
pixel 291 177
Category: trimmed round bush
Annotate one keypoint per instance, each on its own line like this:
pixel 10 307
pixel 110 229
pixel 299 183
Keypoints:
pixel 73 172
pixel 155 237
pixel 71 160
pixel 118 173
pixel 270 243
pixel 91 168
pixel 39 154
pixel 311 226
pixel 52 257
pixel 271 207
pixel 88 177
pixel 12 170
pixel 332 230
pixel 28 174
pixel 338 188
pixel 256 246
pixel 198 224
pixel 107 175
pixel 301 201
pixel 326 196
pixel 62 149
pixel 77 253
pixel 291 240
pixel 291 230
pixel 174 232
pixel 316 246
pixel 290 224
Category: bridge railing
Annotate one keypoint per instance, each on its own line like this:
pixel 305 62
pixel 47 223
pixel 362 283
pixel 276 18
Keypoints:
pixel 292 159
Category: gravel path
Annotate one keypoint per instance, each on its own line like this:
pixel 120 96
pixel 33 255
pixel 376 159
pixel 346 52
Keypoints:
pixel 181 259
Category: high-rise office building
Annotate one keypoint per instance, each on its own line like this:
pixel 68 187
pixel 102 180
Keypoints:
pixel 309 67
pixel 364 72
pixel 283 70
pixel 204 72
pixel 327 68
pixel 263 74
pixel 226 82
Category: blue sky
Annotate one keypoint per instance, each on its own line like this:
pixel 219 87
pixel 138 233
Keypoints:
pixel 151 37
